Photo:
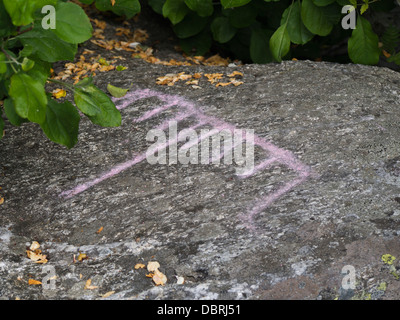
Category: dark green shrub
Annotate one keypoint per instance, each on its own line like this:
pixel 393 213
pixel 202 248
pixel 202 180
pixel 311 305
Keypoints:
pixel 264 31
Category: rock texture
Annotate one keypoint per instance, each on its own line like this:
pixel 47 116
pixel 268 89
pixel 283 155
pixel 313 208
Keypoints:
pixel 324 194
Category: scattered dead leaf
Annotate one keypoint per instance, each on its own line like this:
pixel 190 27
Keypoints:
pixel 235 73
pixel 152 266
pixel 59 93
pixel 100 230
pixel 33 282
pixel 223 84
pixel 107 294
pixel 139 266
pixel 35 254
pixel 88 285
pixel 159 278
pixel 82 256
pixel 180 280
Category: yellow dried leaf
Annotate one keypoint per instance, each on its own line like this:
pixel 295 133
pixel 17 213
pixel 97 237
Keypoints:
pixel 1 200
pixel 33 282
pixel 193 82
pixel 59 93
pixel 180 280
pixel 36 256
pixel 34 246
pixel 82 256
pixel 223 84
pixel 159 278
pixel 100 230
pixel 386 54
pixel 235 73
pixel 152 266
pixel 139 266
pixel 107 294
pixel 236 82
pixel 88 285
pixel 197 75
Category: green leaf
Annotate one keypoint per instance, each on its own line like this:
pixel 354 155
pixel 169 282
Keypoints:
pixel 280 43
pixel 222 30
pixel 120 68
pixel 390 39
pixel 234 3
pixel 116 92
pixel 191 25
pixel 72 23
pixel 11 114
pixel 323 3
pixel 363 45
pixel 20 11
pixel 47 46
pixel 204 8
pixel 298 32
pixel 6 26
pixel 394 58
pixel 3 65
pixel 29 97
pixel 317 19
pixel 62 123
pixel 129 8
pixel 199 44
pixel 40 71
pixel 83 98
pixel 39 4
pixel 175 10
pixel 157 5
pixel 259 46
pixel 27 64
pixel 242 17
pixel 364 8
pixel 96 105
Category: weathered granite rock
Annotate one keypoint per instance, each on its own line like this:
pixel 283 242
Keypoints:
pixel 324 194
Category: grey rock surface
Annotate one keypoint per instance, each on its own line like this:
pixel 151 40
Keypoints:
pixel 329 197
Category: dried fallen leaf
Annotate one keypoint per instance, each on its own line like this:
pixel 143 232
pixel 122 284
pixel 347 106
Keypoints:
pixel 33 282
pixel 235 73
pixel 159 278
pixel 152 266
pixel 34 246
pixel 100 230
pixel 35 254
pixel 82 256
pixel 236 82
pixel 88 285
pixel 107 294
pixel 139 266
pixel 180 280
pixel 223 84
pixel 59 93
pixel 1 200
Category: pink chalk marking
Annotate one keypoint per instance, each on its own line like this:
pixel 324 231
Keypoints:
pixel 261 166
pixel 188 109
pixel 114 171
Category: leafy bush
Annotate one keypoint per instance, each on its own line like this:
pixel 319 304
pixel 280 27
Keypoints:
pixel 271 30
pixel 27 51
